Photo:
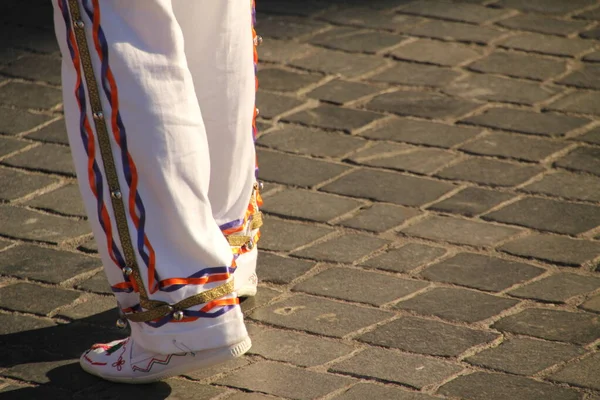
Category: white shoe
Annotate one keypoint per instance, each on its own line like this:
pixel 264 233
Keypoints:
pixel 124 361
pixel 245 279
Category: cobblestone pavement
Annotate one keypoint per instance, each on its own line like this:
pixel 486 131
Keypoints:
pixel 433 201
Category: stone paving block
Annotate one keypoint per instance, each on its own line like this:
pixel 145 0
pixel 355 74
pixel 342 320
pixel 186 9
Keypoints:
pixel 10 145
pixel 286 381
pixel 43 264
pixel 461 231
pixel 578 102
pixel 343 249
pixel 424 336
pixel 457 304
pixel 389 187
pixel 420 161
pixel 291 347
pixel 407 369
pixel 549 215
pixel 421 132
pixel 490 172
pixel 4 244
pixel 422 104
pixel 29 95
pixel 28 37
pixel 366 390
pixel 592 304
pixel 359 286
pixel 495 88
pixel 547 6
pixel 332 117
pixel 35 67
pixel 523 121
pixel 584 373
pixel 586 78
pixel 460 12
pixel 14 323
pixel 287 27
pixel 513 146
pixel 320 316
pixel 591 33
pixel 219 369
pixel 264 296
pixel 313 141
pixel 280 270
pixel 592 136
pixel 52 133
pixel 30 392
pixel 380 217
pixel 282 51
pixel 481 272
pixel 90 306
pixel 435 52
pixel 567 185
pixel 413 74
pixel 455 31
pixel 13 121
pixel 378 150
pixel 485 386
pixel 272 104
pixel 546 44
pixel 89 247
pixel 364 17
pixel 17 184
pixel 556 249
pixel 524 356
pixel 285 81
pixel 352 39
pixel 304 204
pixel 46 157
pixel 249 396
pixel 405 258
pixel 25 224
pixel 593 14
pixel 519 65
pixel 338 62
pixel 558 288
pixel 295 170
pixel 26 297
pixel 340 91
pixel 65 200
pixel 586 159
pixel 592 57
pixel 282 235
pixel 579 328
pixel 542 24
pixel 471 201
pixel 307 9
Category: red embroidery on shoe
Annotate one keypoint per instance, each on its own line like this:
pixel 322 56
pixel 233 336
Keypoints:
pixel 86 358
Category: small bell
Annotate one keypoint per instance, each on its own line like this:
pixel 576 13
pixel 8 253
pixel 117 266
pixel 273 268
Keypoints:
pixel 121 323
pixel 127 271
pixel 178 315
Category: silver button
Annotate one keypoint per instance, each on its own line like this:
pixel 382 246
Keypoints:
pixel 79 23
pixel 116 194
pixel 98 115
pixel 178 315
pixel 121 323
pixel 261 186
pixel 258 40
pixel 250 245
pixel 127 271
pixel 257 112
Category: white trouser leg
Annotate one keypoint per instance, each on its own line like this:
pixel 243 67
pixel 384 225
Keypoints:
pixel 161 151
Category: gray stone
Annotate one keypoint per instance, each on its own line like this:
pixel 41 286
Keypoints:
pixel 420 161
pixel 407 369
pixel 366 390
pixel 352 39
pixel 457 304
pixel 405 258
pixel 248 396
pixel 13 121
pixel 178 389
pixel 380 217
pixel 542 24
pixel 283 51
pixel 295 170
pixel 17 184
pixel 377 150
pixel 591 136
pixel 422 104
pixel 332 117
pixel 10 145
pixel 490 172
pixel 90 305
pixel 272 104
pixel 263 297
pixel 579 328
pixel 435 52
pixel 287 27
pixel 523 121
pixel 461 231
pixel 65 200
pixel 283 380
pixel 592 304
pixel 445 30
pixel 304 204
pixel 558 7
pixel 519 65
pixel 424 336
pixel 43 264
pixel 282 235
pixel 36 67
pixel 25 224
pixel 287 346
pixel 284 80
pixel 15 323
pixel 421 132
pixel 585 159
pixel 97 284
pixel 590 14
pixel 389 187
pixel 584 373
pixel 592 57
pixel 481 272
pixel 365 17
pixel 338 62
pixel 46 157
pixel 578 102
pixel 219 369
pixel 586 78
pixel 317 315
pixel 349 284
pixel 461 12
pixel 558 288
pixel 280 270
pixel 29 95
pixel 413 74
pixel 343 249
pixel 26 297
pixel 484 386
pixel 472 201
pixel 567 185
pixel 91 246
pixel 591 33
pixel 545 44
pixel 549 215
pixel 341 91
pixel 556 249
pixel 525 356
pixel 55 132
pixel 513 146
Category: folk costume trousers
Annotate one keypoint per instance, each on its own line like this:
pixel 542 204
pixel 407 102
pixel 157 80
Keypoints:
pixel 159 107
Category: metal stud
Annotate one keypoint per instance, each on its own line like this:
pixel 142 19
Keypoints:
pixel 98 115
pixel 257 112
pixel 258 40
pixel 261 186
pixel 121 323
pixel 178 315
pixel 127 271
pixel 250 245
pixel 116 194
pixel 79 23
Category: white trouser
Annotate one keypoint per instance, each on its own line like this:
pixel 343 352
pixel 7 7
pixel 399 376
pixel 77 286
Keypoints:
pixel 176 83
